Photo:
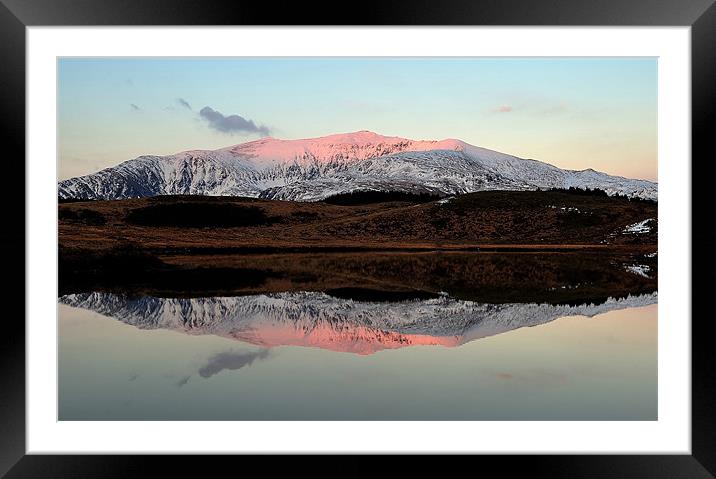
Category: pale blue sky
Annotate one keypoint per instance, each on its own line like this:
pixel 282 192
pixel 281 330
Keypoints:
pixel 575 113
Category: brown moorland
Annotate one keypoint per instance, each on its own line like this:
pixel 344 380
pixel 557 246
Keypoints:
pixel 548 246
pixel 541 220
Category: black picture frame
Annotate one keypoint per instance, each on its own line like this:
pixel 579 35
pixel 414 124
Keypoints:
pixel 700 15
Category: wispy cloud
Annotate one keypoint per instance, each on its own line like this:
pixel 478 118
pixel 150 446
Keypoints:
pixel 553 109
pixel 183 381
pixel 184 103
pixel 230 360
pixel 231 123
pixel 536 376
pixel 501 109
pixel 534 106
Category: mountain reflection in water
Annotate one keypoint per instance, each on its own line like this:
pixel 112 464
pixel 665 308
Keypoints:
pixel 317 319
pixel 363 303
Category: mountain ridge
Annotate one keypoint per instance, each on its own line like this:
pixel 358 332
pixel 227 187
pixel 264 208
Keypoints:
pixel 316 168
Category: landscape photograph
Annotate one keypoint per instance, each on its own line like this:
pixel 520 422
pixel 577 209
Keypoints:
pixel 357 238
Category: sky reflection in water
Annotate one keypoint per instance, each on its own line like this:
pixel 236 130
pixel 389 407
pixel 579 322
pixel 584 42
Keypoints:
pixel 573 368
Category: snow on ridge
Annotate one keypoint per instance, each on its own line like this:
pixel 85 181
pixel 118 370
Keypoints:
pixel 314 169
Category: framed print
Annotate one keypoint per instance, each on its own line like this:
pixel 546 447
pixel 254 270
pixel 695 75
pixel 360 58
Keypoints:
pixel 413 231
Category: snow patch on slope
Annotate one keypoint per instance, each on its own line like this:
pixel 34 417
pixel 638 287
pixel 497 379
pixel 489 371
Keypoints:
pixel 639 228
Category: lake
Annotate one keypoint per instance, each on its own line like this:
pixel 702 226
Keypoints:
pixel 430 336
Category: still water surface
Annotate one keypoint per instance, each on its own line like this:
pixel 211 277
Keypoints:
pixel 356 353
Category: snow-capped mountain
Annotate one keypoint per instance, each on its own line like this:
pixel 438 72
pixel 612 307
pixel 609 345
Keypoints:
pixel 315 169
pixel 316 319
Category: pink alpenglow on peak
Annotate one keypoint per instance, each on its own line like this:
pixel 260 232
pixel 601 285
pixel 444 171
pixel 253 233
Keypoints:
pixel 356 146
pixel 343 147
